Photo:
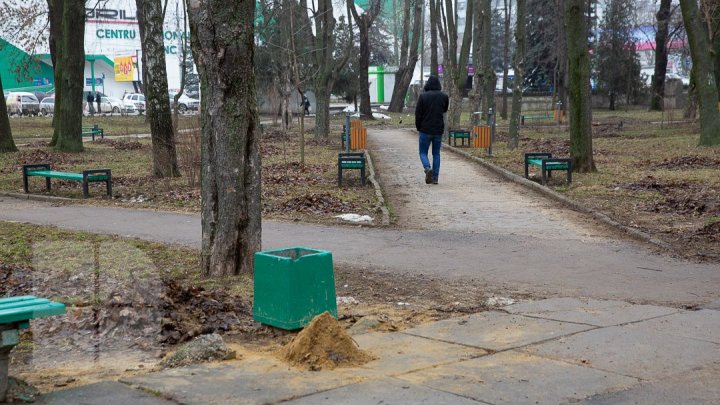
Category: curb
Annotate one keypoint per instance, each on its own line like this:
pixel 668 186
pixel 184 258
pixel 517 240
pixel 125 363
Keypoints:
pixel 378 190
pixel 34 197
pixel 554 195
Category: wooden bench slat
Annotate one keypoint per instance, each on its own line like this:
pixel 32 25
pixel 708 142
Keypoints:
pixel 66 175
pixel 15 299
pixel 31 312
pixel 24 303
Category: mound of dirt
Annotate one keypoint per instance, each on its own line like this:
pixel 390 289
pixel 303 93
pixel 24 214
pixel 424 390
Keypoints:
pixel 201 349
pixel 56 159
pixel 119 145
pixel 558 147
pixel 651 183
pixel 324 344
pixel 710 231
pixel 318 203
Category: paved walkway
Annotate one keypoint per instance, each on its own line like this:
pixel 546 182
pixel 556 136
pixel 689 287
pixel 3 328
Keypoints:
pixel 547 352
pixel 471 226
pixel 477 227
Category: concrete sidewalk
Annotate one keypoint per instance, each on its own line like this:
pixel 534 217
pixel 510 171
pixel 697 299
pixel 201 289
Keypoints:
pixel 548 352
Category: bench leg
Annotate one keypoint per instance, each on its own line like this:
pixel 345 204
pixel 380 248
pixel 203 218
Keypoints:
pixel 339 176
pixel 25 181
pixel 47 183
pixel 544 173
pixel 108 185
pixel 526 169
pixel 362 175
pixel 569 176
pixel 4 371
pixel 86 188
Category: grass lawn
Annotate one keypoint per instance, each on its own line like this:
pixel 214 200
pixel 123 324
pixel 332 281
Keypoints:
pixel 290 191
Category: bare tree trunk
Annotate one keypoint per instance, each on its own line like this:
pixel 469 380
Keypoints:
pixel 506 46
pixel 520 42
pixel 328 67
pixel 364 22
pixel 661 56
pixel 55 13
pixel 158 104
pixel 434 21
pixel 409 57
pixel 562 57
pixel 70 68
pixel 581 151
pixel 488 71
pixel 7 144
pixel 703 67
pixel 455 68
pixel 223 48
pixel 476 95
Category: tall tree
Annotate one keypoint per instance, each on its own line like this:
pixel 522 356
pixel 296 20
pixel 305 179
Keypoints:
pixel 434 20
pixel 507 12
pixel 519 67
pixel 618 63
pixel 364 22
pixel 703 70
pixel 408 53
pixel 489 78
pixel 7 144
pixel 326 61
pixel 151 22
pixel 69 76
pixel 581 151
pixel 661 55
pixel 55 14
pixel 222 40
pixel 455 61
pixel 476 94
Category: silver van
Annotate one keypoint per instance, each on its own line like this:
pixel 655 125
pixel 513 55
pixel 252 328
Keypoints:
pixel 22 103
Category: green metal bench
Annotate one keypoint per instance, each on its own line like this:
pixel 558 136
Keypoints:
pixel 547 165
pixel 462 134
pixel 351 160
pixel 15 315
pixel 92 131
pixel 524 118
pixel 86 177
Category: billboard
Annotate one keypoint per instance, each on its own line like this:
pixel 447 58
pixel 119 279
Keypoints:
pixel 124 69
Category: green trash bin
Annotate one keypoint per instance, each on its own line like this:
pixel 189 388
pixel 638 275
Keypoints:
pixel 292 286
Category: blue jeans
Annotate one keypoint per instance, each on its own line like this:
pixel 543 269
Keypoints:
pixel 425 141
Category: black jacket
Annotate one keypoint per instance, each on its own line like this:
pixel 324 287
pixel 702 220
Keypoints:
pixel 430 108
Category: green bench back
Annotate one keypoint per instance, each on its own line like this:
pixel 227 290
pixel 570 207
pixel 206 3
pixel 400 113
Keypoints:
pixel 65 175
pixel 27 307
pixel 549 165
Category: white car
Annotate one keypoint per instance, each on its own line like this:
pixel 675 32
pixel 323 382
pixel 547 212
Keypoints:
pixel 136 99
pixel 184 102
pixel 22 103
pixel 116 106
pixel 47 105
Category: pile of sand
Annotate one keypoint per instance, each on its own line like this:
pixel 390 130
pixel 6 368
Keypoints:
pixel 324 344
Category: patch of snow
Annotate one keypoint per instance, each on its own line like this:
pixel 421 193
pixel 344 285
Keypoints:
pixel 499 301
pixel 354 217
pixel 346 301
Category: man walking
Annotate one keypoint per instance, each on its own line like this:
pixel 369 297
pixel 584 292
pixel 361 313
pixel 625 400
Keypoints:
pixel 89 99
pixel 98 100
pixel 430 123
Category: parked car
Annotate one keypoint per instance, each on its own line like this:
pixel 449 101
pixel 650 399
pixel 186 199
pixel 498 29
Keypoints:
pixel 47 105
pixel 138 100
pixel 22 103
pixel 184 103
pixel 116 106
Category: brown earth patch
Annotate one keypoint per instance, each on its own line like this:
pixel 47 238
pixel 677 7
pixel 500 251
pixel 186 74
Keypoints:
pixel 324 344
pixel 688 162
pixel 318 203
pixel 121 145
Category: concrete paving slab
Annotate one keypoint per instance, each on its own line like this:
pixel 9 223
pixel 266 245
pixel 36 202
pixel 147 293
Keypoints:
pixel 399 353
pixel 102 393
pixel 496 330
pixel 633 351
pixel 386 391
pixel 518 378
pixel 255 381
pixel 694 387
pixel 589 311
pixel 701 325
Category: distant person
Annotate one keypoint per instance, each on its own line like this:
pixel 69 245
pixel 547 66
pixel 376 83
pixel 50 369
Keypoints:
pixel 306 103
pixel 90 100
pixel 430 123
pixel 97 100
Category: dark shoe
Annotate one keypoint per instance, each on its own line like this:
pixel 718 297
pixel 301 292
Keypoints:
pixel 435 181
pixel 428 176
